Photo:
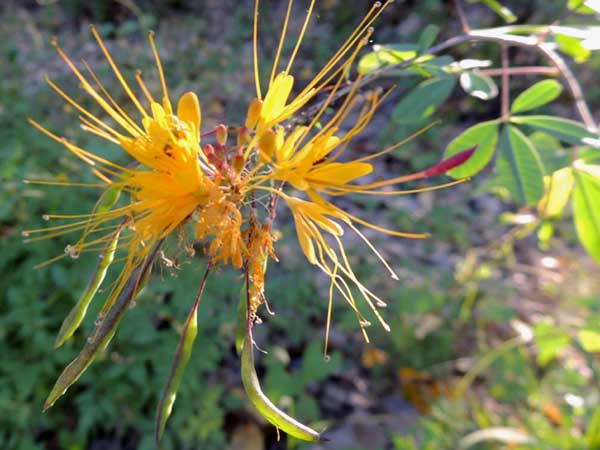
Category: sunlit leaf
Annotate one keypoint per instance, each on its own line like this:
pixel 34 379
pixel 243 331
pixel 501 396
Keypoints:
pixel 422 101
pixel 566 130
pixel 469 64
pixel 519 166
pixel 589 339
pixel 573 47
pixel 586 210
pixel 537 95
pixel 483 135
pixel 558 191
pixel 385 55
pixel 478 85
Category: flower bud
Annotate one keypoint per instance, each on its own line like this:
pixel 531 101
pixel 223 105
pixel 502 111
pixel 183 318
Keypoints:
pixel 253 113
pixel 222 134
pixel 238 161
pixel 243 136
pixel 267 144
pixel 209 152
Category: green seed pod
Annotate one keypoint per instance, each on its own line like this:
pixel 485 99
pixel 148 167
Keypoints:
pixel 77 313
pixel 265 406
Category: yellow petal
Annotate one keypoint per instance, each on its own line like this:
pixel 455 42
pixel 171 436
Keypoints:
pixel 339 173
pixel 284 152
pixel 188 110
pixel 277 96
pixel 305 240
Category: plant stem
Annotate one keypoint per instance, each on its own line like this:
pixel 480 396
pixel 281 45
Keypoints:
pixel 524 70
pixel 462 16
pixel 505 96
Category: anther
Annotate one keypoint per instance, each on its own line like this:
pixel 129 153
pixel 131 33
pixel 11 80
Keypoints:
pixel 72 251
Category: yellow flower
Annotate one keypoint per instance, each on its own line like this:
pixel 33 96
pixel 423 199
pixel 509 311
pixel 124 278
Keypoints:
pixel 311 159
pixel 169 180
pixel 276 107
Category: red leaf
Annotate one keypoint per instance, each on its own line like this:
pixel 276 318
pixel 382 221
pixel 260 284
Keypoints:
pixel 450 163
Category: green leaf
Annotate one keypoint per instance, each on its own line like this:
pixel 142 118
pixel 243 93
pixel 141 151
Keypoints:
pixel 483 135
pixel 498 8
pixel 427 37
pixel 577 6
pixel 519 166
pixel 478 85
pixel 573 47
pixel 549 340
pixel 558 191
pixel 537 95
pixel 386 55
pixel 586 210
pixel 422 101
pixel 566 130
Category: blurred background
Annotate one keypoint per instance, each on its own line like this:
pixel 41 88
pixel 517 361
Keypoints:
pixel 463 295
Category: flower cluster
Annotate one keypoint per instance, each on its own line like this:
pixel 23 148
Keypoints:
pixel 177 183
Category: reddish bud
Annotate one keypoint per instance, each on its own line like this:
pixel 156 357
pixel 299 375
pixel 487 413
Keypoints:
pixel 209 151
pixel 450 163
pixel 243 136
pixel 238 161
pixel 221 134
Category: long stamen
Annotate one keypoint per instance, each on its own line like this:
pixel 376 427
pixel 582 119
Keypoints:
pixel 91 91
pixel 161 74
pixel 109 97
pixel 81 108
pixel 63 183
pixel 143 87
pixel 118 73
pixel 301 36
pixel 255 51
pixel 91 128
pixel 281 40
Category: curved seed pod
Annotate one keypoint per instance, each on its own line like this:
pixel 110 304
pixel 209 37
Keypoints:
pixel 103 332
pixel 180 361
pixel 240 332
pixel 77 313
pixel 264 406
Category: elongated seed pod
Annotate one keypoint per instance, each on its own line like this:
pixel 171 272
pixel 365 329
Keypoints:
pixel 103 332
pixel 77 313
pixel 180 361
pixel 265 406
